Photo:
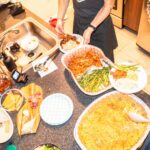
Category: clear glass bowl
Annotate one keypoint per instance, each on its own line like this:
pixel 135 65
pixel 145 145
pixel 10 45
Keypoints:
pixel 12 100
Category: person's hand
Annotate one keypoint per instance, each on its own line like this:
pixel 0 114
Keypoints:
pixel 59 26
pixel 87 35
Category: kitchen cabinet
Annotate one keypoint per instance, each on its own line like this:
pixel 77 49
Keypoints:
pixel 143 38
pixel 132 13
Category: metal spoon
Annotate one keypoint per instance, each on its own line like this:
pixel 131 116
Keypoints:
pixel 41 66
pixel 137 117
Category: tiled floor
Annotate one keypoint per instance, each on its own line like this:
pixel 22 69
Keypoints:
pixel 127 49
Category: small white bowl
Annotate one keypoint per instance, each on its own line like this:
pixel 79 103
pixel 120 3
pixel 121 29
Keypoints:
pixel 79 39
pixel 29 43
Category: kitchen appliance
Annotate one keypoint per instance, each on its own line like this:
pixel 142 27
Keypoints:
pixel 117 13
pixel 143 38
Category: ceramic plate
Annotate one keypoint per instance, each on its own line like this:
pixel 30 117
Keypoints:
pixel 56 109
pixel 6 126
pixel 129 85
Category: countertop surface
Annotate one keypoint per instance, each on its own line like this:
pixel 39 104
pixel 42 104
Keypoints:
pixel 59 81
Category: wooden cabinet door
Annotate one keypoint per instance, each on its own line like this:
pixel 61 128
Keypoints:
pixel 132 13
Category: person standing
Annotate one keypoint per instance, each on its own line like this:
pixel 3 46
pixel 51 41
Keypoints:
pixel 92 20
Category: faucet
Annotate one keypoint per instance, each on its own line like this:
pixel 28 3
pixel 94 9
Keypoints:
pixel 16 31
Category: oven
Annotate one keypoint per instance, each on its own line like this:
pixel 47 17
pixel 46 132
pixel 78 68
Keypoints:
pixel 117 13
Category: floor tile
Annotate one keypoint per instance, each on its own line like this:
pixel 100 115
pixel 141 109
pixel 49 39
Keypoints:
pixel 133 50
pixel 122 41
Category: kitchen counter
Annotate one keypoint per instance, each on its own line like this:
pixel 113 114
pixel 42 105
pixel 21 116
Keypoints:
pixel 58 81
pixel 6 20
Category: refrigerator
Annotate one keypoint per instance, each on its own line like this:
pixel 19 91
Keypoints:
pixel 143 38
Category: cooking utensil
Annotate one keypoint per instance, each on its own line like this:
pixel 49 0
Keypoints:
pixel 137 117
pixel 109 63
pixel 42 66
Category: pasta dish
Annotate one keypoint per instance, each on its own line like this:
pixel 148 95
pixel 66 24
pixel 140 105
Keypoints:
pixel 107 126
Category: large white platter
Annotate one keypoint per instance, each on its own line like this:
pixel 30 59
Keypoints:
pixel 81 50
pixel 138 100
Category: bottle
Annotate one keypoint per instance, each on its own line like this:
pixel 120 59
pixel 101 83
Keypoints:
pixel 11 146
pixel 8 62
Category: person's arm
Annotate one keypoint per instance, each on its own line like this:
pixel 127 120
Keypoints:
pixel 98 19
pixel 62 8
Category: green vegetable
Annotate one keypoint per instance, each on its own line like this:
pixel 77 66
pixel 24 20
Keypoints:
pixel 127 67
pixel 47 147
pixel 95 81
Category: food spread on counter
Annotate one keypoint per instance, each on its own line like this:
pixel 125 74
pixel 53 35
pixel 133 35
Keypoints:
pixel 106 124
pixel 28 117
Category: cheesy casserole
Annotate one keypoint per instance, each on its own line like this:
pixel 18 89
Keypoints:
pixel 107 126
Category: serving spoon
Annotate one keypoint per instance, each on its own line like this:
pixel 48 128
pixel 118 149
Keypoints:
pixel 137 117
pixel 42 66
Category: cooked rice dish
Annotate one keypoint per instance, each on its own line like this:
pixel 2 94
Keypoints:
pixel 107 126
pixel 69 45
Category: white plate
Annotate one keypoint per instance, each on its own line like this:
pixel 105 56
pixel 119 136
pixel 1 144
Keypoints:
pixel 129 86
pixel 56 109
pixel 78 37
pixel 138 100
pixel 3 135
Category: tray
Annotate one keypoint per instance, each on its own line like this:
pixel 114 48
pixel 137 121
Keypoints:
pixel 79 51
pixel 138 100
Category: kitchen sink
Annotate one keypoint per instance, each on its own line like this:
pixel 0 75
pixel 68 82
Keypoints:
pixel 29 27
